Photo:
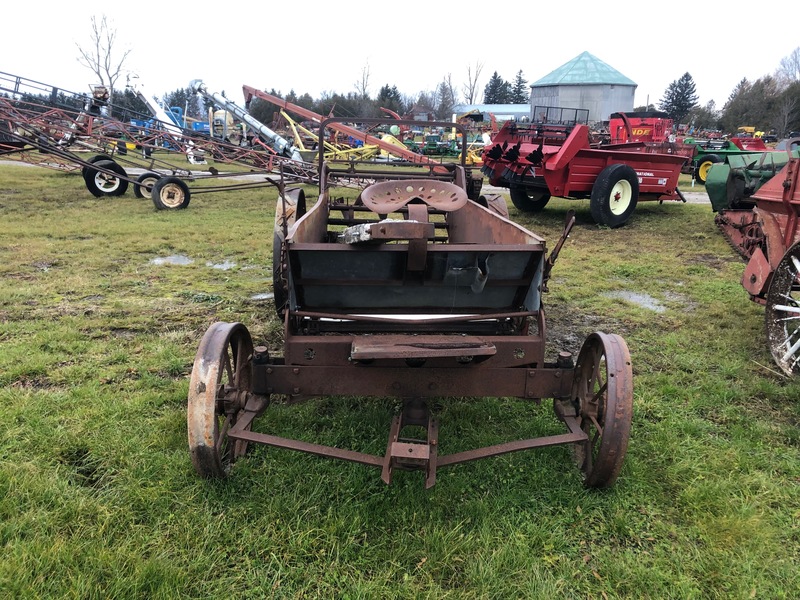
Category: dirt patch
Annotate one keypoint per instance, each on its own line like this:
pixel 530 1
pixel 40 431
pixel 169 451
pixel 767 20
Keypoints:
pixel 567 329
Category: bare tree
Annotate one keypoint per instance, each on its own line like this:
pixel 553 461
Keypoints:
pixel 784 113
pixel 471 87
pixel 789 70
pixel 101 56
pixel 362 85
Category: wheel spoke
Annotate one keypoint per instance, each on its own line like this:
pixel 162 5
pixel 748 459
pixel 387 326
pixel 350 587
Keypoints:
pixel 792 349
pixel 598 363
pixel 796 263
pixel 599 394
pixel 598 428
pixel 226 361
pixel 789 309
pixel 223 432
pixel 242 358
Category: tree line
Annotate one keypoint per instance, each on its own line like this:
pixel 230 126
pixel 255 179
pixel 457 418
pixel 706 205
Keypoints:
pixel 770 103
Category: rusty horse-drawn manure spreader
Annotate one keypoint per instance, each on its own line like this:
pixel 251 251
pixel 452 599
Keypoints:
pixel 764 229
pixel 539 160
pixel 405 288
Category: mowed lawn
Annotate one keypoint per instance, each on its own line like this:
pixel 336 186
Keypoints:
pixel 103 303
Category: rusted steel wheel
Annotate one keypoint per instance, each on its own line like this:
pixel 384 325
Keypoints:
pixel 221 379
pixel 170 193
pixel 603 390
pixel 782 312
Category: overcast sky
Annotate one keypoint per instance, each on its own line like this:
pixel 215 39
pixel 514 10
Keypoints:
pixel 319 47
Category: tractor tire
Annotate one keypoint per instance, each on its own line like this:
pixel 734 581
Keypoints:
pixel 704 164
pixel 614 195
pixel 528 200
pixel 170 193
pixel 102 184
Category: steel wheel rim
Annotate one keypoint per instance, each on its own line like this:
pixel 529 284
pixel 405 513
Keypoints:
pixel 108 184
pixel 146 186
pixel 619 199
pixel 172 195
pixel 702 172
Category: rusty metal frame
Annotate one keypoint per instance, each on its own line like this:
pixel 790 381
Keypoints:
pixel 444 301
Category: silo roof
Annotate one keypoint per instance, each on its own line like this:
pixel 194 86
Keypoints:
pixel 582 70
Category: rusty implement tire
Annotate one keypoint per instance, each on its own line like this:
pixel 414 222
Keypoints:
pixel 143 188
pixel 614 195
pixel 782 312
pixel 170 193
pixel 603 392
pixel 221 379
pixel 105 178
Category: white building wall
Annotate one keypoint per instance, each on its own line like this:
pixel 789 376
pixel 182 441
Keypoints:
pixel 599 100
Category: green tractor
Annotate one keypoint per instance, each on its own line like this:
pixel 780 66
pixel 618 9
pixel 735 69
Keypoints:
pixel 730 184
pixel 714 152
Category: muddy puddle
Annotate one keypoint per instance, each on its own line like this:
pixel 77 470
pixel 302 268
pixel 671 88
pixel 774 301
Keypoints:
pixel 642 300
pixel 173 259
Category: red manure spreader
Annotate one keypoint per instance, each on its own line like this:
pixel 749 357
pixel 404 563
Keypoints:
pixel 537 161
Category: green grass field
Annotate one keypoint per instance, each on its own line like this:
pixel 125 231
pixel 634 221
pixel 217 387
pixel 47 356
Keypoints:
pixel 98 497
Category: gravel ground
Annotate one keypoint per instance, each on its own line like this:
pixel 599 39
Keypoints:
pixel 692 197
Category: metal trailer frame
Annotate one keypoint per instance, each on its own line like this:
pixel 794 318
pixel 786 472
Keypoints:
pixel 407 289
pixel 88 139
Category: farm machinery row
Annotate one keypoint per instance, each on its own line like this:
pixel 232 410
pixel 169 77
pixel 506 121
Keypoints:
pixel 161 159
pixel 112 154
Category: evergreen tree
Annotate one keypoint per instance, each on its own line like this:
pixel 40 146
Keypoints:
pixel 128 105
pixel 186 100
pixel 752 104
pixel 520 92
pixel 497 91
pixel 389 97
pixel 446 100
pixel 679 98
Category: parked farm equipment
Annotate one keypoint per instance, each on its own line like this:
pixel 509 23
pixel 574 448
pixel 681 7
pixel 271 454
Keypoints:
pixel 405 288
pixel 764 229
pixel 56 135
pixel 712 152
pixel 539 160
pixel 474 179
